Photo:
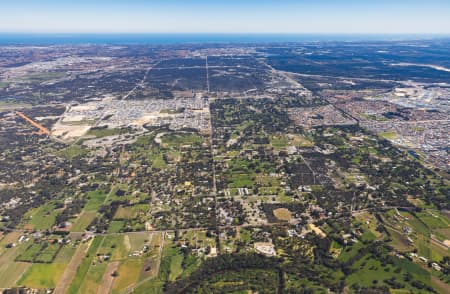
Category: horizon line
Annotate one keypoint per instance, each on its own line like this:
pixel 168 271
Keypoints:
pixel 219 33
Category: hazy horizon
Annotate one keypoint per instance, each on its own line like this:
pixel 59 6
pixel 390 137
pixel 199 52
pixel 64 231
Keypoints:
pixel 225 17
pixel 197 38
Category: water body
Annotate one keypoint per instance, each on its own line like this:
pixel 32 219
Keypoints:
pixel 49 39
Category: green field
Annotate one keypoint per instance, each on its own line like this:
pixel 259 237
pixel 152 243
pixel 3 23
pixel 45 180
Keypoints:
pixel 157 160
pixel 93 278
pixel 350 252
pixel 30 253
pixel 137 240
pixel 433 219
pixel 241 181
pixel 73 151
pixel 95 200
pixel 105 132
pixel 154 286
pixel 116 226
pixel 41 218
pixel 65 254
pixel 84 267
pixel 48 253
pixel 372 272
pixel 399 242
pixel 83 220
pixel 178 140
pixel 11 271
pixel 388 135
pixel 42 275
pixel 242 281
pixel 129 272
pixel 43 252
pixel 114 245
pixel 279 142
pixel 131 212
pixel 171 262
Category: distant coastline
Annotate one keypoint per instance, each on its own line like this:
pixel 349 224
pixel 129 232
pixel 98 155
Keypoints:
pixel 160 39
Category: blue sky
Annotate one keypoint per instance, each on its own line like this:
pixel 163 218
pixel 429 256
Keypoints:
pixel 226 16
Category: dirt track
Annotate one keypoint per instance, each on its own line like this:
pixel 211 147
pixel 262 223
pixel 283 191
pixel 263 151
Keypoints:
pixel 108 279
pixel 71 269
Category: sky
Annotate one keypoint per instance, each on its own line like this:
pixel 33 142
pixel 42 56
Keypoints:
pixel 226 16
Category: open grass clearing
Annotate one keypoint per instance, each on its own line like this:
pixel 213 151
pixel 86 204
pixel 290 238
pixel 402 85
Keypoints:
pixel 114 246
pixel 279 141
pixel 181 139
pixel 128 275
pixel 399 242
pixel 40 275
pixel 105 132
pixel 283 214
pixel 116 226
pixel 73 151
pixel 65 254
pixel 433 219
pixel 131 212
pixel 41 218
pixel 388 135
pixel 137 240
pixel 11 272
pixel 95 200
pixel 83 220
pixel 93 278
pixel 83 267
